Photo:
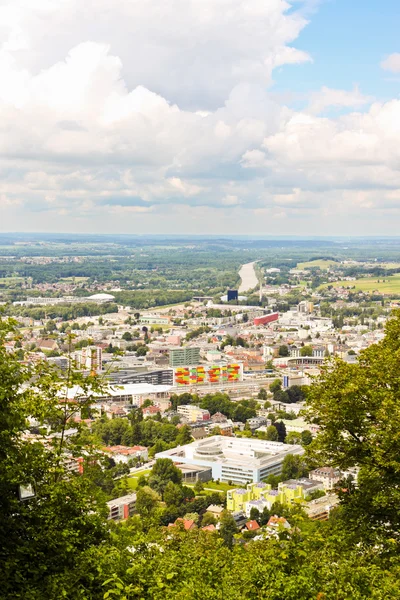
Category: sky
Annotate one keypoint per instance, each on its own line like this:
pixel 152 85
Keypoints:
pixel 251 117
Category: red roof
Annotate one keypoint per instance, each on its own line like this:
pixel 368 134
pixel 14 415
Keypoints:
pixel 187 523
pixel 252 525
pixel 210 527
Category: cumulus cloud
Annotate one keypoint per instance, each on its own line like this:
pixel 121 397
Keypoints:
pixel 189 51
pixel 331 98
pixel 159 115
pixel 391 63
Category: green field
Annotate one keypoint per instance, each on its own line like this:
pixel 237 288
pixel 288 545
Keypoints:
pixel 217 487
pixel 385 285
pixel 74 279
pixel 11 280
pixel 392 265
pixel 133 479
pixel 317 264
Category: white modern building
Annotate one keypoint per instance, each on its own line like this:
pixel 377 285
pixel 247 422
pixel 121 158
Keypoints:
pixel 129 394
pixel 239 460
pixel 193 413
pixel 89 358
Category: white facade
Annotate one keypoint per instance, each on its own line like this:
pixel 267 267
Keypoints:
pixel 240 460
pixel 89 358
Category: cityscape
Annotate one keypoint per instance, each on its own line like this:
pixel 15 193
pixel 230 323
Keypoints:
pixel 199 300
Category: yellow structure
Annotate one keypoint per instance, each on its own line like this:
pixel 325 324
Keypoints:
pixel 261 495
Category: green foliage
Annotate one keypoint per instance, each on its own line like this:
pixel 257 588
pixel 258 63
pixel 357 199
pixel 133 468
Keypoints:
pixel 357 408
pixel 283 350
pixel 275 385
pixel 262 394
pixel 197 332
pixel 163 473
pixel 306 351
pixel 272 434
pixel 228 528
pixel 146 501
pixel 293 467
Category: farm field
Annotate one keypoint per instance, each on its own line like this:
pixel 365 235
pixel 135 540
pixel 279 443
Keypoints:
pixel 383 285
pixel 321 264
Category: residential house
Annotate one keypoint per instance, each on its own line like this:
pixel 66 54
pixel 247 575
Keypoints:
pixel 327 475
pixel 122 454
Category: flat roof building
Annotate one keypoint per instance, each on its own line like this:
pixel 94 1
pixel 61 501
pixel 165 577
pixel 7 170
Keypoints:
pixel 240 460
pixel 184 357
pixel 121 508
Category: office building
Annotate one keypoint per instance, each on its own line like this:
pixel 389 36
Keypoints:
pixel 241 460
pixel 156 377
pixel 183 357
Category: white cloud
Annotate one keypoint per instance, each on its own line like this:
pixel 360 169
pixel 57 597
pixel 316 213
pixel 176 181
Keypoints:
pixel 392 63
pixel 149 114
pixel 189 51
pixel 331 98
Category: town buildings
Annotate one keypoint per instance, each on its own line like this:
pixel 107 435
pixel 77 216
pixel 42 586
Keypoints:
pixel 240 460
pixel 121 508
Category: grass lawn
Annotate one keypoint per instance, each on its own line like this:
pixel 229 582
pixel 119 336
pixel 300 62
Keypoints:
pixel 390 285
pixel 211 485
pixel 322 264
pixel 133 479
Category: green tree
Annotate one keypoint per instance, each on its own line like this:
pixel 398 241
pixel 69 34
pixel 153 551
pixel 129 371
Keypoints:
pixel 293 467
pixel 296 394
pixel 173 494
pixel 306 438
pixel 254 514
pixel 283 351
pixel 272 433
pixel 228 528
pixel 262 394
pixel 281 429
pixel 146 501
pixel 127 336
pixel 357 408
pixel 43 537
pixel 293 437
pixel 163 472
pixel 306 351
pixel 208 519
pixel 275 385
pixel 198 486
pixel 184 436
pixel 142 351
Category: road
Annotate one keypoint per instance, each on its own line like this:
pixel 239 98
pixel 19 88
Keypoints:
pixel 248 277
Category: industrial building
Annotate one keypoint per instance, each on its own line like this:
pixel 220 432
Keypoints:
pixel 241 460
pixel 266 319
pixel 156 377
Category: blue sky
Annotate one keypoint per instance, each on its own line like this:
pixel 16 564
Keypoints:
pixel 200 116
pixel 347 40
